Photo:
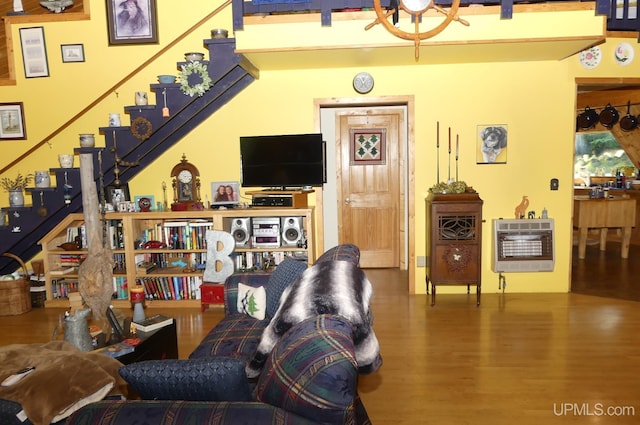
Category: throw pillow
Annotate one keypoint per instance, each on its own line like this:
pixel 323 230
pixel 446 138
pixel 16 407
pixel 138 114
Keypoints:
pixel 211 379
pixel 312 371
pixel 252 301
pixel 287 271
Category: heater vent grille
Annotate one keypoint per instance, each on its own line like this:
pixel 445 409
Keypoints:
pixel 523 245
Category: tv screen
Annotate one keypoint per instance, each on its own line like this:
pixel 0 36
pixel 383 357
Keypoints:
pixel 284 161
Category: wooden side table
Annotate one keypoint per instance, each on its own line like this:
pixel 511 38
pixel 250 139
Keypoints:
pixel 156 345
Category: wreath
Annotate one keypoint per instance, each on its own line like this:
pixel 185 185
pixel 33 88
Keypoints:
pixel 141 128
pixel 200 69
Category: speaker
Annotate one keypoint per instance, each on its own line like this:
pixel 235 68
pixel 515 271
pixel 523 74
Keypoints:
pixel 291 230
pixel 240 230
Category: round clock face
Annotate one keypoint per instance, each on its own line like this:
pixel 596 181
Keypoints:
pixel 185 176
pixel 363 82
pixel 416 5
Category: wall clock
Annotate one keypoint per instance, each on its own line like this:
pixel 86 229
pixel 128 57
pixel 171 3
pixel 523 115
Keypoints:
pixel 415 8
pixel 363 82
pixel 186 187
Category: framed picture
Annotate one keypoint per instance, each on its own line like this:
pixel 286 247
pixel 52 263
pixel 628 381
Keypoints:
pixel 115 195
pixel 225 193
pixel 12 121
pixel 132 21
pixel 34 52
pixel 144 203
pixel 492 144
pixel 72 52
pixel 116 327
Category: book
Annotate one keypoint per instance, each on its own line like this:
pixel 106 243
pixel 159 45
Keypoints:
pixel 116 350
pixel 152 323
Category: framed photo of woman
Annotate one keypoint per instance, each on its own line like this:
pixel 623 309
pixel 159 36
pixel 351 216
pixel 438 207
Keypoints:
pixel 132 21
pixel 225 193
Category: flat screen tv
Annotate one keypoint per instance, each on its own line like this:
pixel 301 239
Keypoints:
pixel 283 161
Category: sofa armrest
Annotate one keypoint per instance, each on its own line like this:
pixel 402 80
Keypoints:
pixel 254 279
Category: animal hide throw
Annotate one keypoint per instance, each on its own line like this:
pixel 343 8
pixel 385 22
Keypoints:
pixel 64 380
pixel 330 287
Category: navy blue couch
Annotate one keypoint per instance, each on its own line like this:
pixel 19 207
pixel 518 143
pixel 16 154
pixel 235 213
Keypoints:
pixel 310 377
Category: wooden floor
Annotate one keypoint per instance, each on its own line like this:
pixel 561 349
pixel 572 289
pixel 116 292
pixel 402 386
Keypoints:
pixel 517 359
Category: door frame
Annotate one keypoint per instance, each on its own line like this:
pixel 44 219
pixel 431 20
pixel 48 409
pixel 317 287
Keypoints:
pixel 408 256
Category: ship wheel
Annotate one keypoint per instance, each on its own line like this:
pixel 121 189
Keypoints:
pixel 416 8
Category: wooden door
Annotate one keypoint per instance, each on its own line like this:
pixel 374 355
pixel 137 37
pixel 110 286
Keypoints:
pixel 369 150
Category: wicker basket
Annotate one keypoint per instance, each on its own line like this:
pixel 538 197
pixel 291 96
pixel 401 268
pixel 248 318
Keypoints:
pixel 15 295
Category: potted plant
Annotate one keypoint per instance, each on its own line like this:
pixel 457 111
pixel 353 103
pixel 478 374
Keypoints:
pixel 15 187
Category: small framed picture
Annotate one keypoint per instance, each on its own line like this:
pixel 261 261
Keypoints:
pixel 132 21
pixel 34 52
pixel 123 206
pixel 115 195
pixel 492 144
pixel 72 52
pixel 225 193
pixel 12 121
pixel 144 203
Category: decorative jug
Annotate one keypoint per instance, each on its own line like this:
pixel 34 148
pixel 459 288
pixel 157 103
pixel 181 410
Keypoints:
pixel 141 98
pixel 76 330
pixel 42 179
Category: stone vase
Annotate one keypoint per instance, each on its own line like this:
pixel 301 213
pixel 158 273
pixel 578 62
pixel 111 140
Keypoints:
pixel 16 198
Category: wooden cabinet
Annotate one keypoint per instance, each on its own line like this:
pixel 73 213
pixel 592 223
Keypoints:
pixel 454 241
pixel 166 252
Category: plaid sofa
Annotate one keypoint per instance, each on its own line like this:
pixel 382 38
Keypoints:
pixel 237 335
pixel 310 377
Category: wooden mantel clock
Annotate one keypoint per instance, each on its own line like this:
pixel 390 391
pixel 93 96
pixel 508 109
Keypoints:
pixel 186 187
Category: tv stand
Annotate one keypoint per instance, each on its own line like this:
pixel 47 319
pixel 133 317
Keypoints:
pixel 280 198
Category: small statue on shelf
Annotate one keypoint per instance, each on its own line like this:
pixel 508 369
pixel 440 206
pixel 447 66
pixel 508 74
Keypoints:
pixel 521 208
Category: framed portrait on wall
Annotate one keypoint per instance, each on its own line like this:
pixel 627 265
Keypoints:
pixel 132 21
pixel 492 144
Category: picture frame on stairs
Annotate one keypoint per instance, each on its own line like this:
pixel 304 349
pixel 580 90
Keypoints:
pixel 132 21
pixel 34 52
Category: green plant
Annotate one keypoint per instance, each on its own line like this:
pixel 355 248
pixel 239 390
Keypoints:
pixel 19 183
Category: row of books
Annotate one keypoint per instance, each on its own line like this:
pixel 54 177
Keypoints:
pixel 61 288
pixel 195 260
pixel 171 287
pixel 244 261
pixel 115 234
pixel 77 234
pixel 180 234
pixel 120 288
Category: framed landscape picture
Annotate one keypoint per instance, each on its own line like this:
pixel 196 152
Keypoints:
pixel 72 52
pixel 132 21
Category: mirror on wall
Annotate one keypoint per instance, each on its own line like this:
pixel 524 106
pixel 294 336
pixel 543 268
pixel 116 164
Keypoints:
pixel 598 156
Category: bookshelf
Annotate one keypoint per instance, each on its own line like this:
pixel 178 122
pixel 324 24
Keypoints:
pixel 165 252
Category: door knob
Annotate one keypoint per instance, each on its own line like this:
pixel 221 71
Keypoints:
pixel 347 201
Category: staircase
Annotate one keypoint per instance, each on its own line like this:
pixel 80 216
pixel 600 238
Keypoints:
pixel 230 73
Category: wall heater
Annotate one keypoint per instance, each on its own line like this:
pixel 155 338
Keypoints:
pixel 523 245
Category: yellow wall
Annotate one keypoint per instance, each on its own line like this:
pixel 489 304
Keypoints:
pixel 536 100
